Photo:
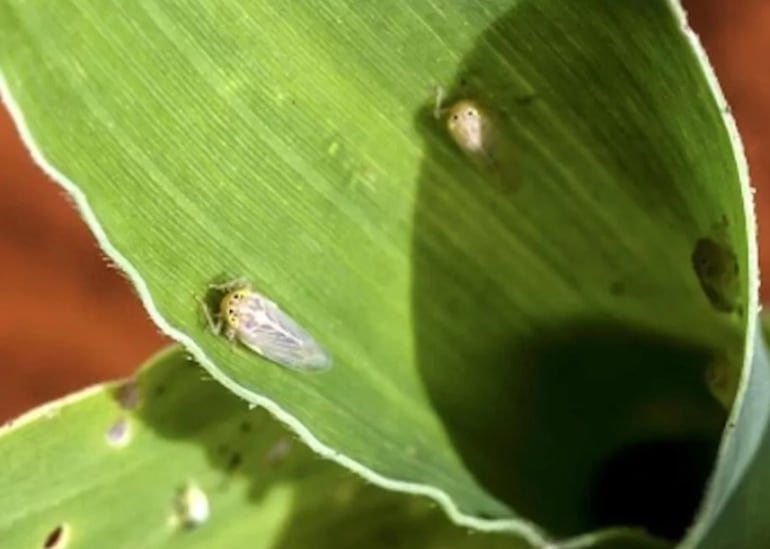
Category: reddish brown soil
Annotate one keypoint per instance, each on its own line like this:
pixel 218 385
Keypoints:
pixel 69 319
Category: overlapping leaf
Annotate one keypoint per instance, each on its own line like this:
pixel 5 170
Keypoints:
pixel 502 331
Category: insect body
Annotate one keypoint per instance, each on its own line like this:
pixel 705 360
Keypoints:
pixel 263 327
pixel 468 125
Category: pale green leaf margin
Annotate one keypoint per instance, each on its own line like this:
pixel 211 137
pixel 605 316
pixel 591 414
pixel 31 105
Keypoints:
pixel 725 473
pixel 713 501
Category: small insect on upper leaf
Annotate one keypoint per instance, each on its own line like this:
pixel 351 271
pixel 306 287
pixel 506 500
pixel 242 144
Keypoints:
pixel 468 125
pixel 260 325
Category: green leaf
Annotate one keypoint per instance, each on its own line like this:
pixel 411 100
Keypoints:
pixel 731 516
pixel 110 466
pixel 505 325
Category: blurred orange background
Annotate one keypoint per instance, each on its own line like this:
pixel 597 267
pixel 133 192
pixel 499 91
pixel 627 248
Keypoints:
pixel 72 320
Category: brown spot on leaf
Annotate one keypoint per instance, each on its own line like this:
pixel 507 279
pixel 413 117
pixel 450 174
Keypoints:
pixel 716 267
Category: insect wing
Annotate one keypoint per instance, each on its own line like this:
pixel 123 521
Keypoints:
pixel 266 329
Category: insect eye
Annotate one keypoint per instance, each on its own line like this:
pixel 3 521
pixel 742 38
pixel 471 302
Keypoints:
pixel 470 113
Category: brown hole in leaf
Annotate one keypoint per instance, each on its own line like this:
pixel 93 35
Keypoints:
pixel 56 538
pixel 119 434
pixel 716 267
pixel 128 395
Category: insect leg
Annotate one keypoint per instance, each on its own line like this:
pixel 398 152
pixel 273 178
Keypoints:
pixel 214 322
pixel 439 97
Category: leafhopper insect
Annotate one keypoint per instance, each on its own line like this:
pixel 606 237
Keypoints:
pixel 468 125
pixel 260 325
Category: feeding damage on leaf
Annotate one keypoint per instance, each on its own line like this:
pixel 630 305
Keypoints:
pixel 716 267
pixel 57 538
pixel 119 433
